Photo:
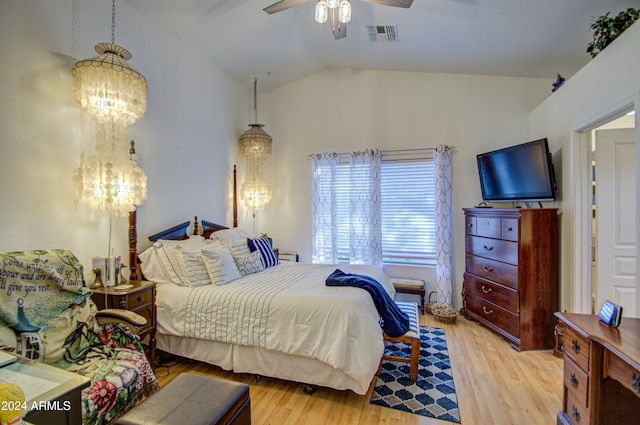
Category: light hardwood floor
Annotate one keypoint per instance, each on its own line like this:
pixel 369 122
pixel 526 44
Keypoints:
pixel 494 383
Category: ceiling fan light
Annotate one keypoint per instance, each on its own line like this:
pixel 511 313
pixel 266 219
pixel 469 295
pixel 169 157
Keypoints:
pixel 321 12
pixel 332 4
pixel 344 13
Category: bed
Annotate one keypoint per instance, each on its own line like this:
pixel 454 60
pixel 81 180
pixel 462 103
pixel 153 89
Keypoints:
pixel 281 321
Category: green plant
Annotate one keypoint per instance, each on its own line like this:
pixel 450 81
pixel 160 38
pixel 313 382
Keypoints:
pixel 606 29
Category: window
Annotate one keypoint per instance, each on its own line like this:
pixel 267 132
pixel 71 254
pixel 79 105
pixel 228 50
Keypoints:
pixel 407 206
pixel 408 211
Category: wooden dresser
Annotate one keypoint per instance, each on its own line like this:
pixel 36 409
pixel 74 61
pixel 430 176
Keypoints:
pixel 511 276
pixel 601 371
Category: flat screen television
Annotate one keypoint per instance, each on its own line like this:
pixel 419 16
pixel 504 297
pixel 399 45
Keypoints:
pixel 517 173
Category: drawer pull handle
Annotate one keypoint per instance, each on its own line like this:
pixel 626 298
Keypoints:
pixel 509 229
pixel 484 308
pixel 575 346
pixel 487 269
pixel 636 383
pixel 574 380
pixel 139 299
pixel 470 225
pixel 486 290
pixel 488 248
pixel 575 414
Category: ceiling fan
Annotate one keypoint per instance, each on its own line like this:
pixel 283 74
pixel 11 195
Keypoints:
pixel 337 12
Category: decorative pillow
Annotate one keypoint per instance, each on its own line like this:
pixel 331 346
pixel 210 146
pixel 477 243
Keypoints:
pixel 220 265
pixel 193 266
pixel 249 263
pixel 263 246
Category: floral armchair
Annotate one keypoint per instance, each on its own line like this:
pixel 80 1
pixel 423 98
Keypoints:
pixel 46 314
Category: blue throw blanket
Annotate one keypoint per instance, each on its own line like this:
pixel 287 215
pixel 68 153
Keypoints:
pixel 395 322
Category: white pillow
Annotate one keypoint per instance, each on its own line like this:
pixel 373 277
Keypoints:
pixel 220 265
pixel 229 235
pixel 168 251
pixel 193 266
pixel 152 266
pixel 238 248
pixel 249 263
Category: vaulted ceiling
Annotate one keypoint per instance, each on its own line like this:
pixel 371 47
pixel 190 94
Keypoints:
pixel 525 38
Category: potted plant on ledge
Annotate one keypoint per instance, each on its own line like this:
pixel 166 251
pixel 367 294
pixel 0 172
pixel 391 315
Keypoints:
pixel 606 29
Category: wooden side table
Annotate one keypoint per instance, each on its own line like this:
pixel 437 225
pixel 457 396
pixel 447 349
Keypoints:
pixel 140 299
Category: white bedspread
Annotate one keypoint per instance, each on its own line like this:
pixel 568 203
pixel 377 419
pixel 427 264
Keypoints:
pixel 286 308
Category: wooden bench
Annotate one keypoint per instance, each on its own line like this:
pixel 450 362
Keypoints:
pixel 412 338
pixel 410 286
pixel 195 400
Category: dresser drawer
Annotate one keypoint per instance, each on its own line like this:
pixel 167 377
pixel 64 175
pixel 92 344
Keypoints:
pixel 506 274
pixel 492 313
pixel 509 229
pixel 504 251
pixel 488 226
pixel 577 412
pixel 577 348
pixel 576 381
pixel 470 225
pixel 623 372
pixel 502 296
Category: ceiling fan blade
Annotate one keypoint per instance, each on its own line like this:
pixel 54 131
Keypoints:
pixel 339 29
pixel 397 3
pixel 283 5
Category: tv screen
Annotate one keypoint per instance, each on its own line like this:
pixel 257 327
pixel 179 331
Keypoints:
pixel 517 173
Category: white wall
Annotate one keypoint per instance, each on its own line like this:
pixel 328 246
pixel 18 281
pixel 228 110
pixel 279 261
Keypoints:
pixel 186 141
pixel 342 110
pixel 606 84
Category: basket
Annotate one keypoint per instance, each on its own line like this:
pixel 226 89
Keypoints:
pixel 429 305
pixel 444 313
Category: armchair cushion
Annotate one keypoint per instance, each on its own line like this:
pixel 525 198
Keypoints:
pixel 46 313
pixel 116 315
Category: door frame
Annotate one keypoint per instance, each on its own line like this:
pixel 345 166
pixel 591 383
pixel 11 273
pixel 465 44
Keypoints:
pixel 581 199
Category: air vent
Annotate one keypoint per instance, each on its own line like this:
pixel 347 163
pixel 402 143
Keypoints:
pixel 383 33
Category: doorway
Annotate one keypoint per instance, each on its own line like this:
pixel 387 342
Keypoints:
pixel 614 215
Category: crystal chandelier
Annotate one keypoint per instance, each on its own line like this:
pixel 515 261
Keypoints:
pixel 114 94
pixel 255 146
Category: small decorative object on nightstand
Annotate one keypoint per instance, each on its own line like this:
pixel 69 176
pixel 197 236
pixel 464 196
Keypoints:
pixel 138 296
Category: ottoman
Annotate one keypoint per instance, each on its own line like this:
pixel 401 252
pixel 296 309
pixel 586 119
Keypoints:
pixel 195 400
pixel 410 286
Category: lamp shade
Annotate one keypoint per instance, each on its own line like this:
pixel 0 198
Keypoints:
pixel 255 143
pixel 107 87
pixel 110 187
pixel 256 194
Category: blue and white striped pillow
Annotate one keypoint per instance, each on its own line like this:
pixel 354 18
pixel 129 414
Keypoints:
pixel 263 245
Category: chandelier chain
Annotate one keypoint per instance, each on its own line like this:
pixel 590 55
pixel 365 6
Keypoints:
pixel 113 22
pixel 255 98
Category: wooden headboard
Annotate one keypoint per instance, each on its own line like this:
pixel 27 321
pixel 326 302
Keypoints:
pixel 178 232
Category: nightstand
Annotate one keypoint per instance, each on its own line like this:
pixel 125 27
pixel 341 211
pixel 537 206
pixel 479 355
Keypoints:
pixel 141 299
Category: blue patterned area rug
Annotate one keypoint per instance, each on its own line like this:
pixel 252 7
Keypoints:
pixel 433 394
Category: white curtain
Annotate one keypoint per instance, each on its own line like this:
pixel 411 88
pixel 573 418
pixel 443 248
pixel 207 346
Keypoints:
pixel 324 208
pixel 363 217
pixel 442 161
pixel 365 225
